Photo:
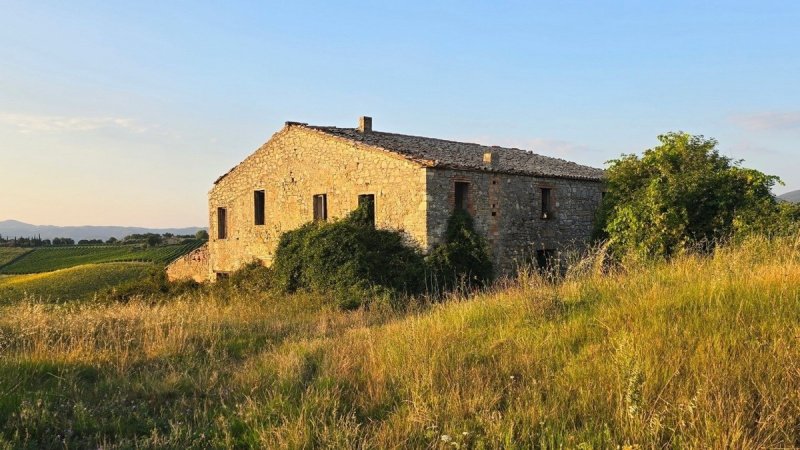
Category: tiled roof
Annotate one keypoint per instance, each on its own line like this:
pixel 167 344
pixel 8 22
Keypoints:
pixel 461 155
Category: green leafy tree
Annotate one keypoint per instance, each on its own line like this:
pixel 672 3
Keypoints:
pixel 682 193
pixel 154 240
pixel 201 234
pixel 463 259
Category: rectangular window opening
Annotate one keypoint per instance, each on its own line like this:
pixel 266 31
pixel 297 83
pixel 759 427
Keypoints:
pixel 222 223
pixel 259 205
pixel 320 207
pixel 547 203
pixel 545 260
pixel 461 195
pixel 367 202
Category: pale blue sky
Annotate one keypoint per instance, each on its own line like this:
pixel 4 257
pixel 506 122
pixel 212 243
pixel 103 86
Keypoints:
pixel 125 113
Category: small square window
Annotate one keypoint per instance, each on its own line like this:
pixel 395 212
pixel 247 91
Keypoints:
pixel 546 260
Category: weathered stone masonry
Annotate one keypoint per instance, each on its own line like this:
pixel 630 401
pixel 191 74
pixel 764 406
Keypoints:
pixel 296 164
pixel 191 266
pixel 506 210
pixel 413 180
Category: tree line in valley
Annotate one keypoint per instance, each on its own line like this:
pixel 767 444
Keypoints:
pixel 149 239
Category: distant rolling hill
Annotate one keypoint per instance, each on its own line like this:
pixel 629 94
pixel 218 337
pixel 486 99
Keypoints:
pixel 793 196
pixel 12 228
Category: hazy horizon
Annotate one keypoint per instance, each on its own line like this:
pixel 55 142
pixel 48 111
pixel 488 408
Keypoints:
pixel 101 225
pixel 124 115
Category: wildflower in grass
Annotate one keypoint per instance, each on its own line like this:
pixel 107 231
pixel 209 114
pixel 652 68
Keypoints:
pixel 446 438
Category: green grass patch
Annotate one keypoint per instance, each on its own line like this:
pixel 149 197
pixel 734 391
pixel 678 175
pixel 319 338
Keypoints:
pixel 73 283
pixel 47 259
pixel 8 254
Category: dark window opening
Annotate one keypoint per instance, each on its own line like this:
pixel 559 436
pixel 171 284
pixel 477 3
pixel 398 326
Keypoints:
pixel 545 260
pixel 547 203
pixel 222 223
pixel 494 213
pixel 367 202
pixel 259 204
pixel 462 193
pixel 320 207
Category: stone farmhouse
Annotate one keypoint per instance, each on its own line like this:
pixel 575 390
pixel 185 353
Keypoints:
pixel 528 206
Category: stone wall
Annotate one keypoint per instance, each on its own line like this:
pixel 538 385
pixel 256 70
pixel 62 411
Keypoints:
pixel 299 162
pixel 507 210
pixel 191 266
pixel 293 166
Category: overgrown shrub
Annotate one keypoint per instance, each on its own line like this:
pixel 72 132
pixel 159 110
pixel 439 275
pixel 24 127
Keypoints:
pixel 252 278
pixel 289 257
pixel 348 259
pixel 155 284
pixel 463 260
pixel 352 261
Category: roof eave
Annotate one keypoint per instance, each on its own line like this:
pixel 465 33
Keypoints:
pixel 440 165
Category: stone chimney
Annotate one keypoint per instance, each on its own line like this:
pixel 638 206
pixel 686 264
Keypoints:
pixel 365 124
pixel 491 158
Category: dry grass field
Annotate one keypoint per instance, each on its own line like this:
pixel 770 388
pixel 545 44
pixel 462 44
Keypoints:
pixel 700 352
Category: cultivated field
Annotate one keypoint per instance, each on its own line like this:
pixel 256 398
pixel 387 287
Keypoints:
pixel 46 259
pixel 8 254
pixel 74 283
pixel 697 353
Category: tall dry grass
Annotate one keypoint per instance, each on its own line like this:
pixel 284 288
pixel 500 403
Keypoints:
pixel 696 352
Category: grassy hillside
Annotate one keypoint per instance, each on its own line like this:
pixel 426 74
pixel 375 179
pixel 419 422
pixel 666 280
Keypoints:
pixel 46 259
pixel 70 284
pixel 8 254
pixel 698 353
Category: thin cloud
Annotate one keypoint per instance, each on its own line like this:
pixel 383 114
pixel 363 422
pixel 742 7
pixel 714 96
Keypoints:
pixel 31 123
pixel 768 121
pixel 745 148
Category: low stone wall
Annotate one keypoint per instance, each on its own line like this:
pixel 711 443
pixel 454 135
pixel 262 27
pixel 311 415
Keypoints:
pixel 191 266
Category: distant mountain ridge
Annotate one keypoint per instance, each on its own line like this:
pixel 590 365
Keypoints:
pixel 15 228
pixel 793 196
